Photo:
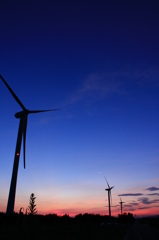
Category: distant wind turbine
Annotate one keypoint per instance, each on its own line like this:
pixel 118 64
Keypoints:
pixel 109 196
pixel 22 115
pixel 121 204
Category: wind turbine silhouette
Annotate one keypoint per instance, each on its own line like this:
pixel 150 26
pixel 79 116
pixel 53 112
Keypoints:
pixel 121 203
pixel 109 196
pixel 23 115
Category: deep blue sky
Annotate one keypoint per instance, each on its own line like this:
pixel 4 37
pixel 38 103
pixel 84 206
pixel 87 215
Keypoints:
pixel 98 61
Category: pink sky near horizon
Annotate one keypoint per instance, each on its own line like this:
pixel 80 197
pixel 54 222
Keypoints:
pixel 102 211
pixel 96 206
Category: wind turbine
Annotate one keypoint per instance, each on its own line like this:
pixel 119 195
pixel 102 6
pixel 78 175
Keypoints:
pixel 109 196
pixel 22 115
pixel 121 204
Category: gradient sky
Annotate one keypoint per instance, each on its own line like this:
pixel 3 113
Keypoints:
pixel 99 62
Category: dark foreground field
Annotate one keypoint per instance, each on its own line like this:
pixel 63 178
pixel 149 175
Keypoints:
pixel 81 227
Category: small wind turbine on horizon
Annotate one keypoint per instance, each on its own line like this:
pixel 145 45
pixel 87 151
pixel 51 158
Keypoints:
pixel 121 204
pixel 22 115
pixel 109 196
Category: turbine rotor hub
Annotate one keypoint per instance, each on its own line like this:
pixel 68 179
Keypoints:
pixel 21 113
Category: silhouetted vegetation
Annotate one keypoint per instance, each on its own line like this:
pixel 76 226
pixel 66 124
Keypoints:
pixel 21 210
pixel 82 226
pixel 126 218
pixel 32 205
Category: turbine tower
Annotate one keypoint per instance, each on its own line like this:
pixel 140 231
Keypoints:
pixel 109 196
pixel 22 115
pixel 121 204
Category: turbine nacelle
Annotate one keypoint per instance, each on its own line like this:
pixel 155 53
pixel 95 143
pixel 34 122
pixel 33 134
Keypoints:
pixel 108 189
pixel 21 114
pixel 121 201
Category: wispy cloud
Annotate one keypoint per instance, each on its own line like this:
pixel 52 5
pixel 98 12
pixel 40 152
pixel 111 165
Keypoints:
pixel 153 194
pixel 97 86
pixel 127 205
pixel 131 194
pixel 146 200
pixel 134 204
pixel 144 207
pixel 147 75
pixel 131 209
pixel 152 189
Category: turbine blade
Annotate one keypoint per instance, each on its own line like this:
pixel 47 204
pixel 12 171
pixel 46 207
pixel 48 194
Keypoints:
pixel 39 111
pixel 13 94
pixel 24 136
pixel 107 182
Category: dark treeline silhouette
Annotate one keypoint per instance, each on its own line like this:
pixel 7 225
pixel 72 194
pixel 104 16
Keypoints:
pixel 66 219
pixel 82 226
pixel 126 218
